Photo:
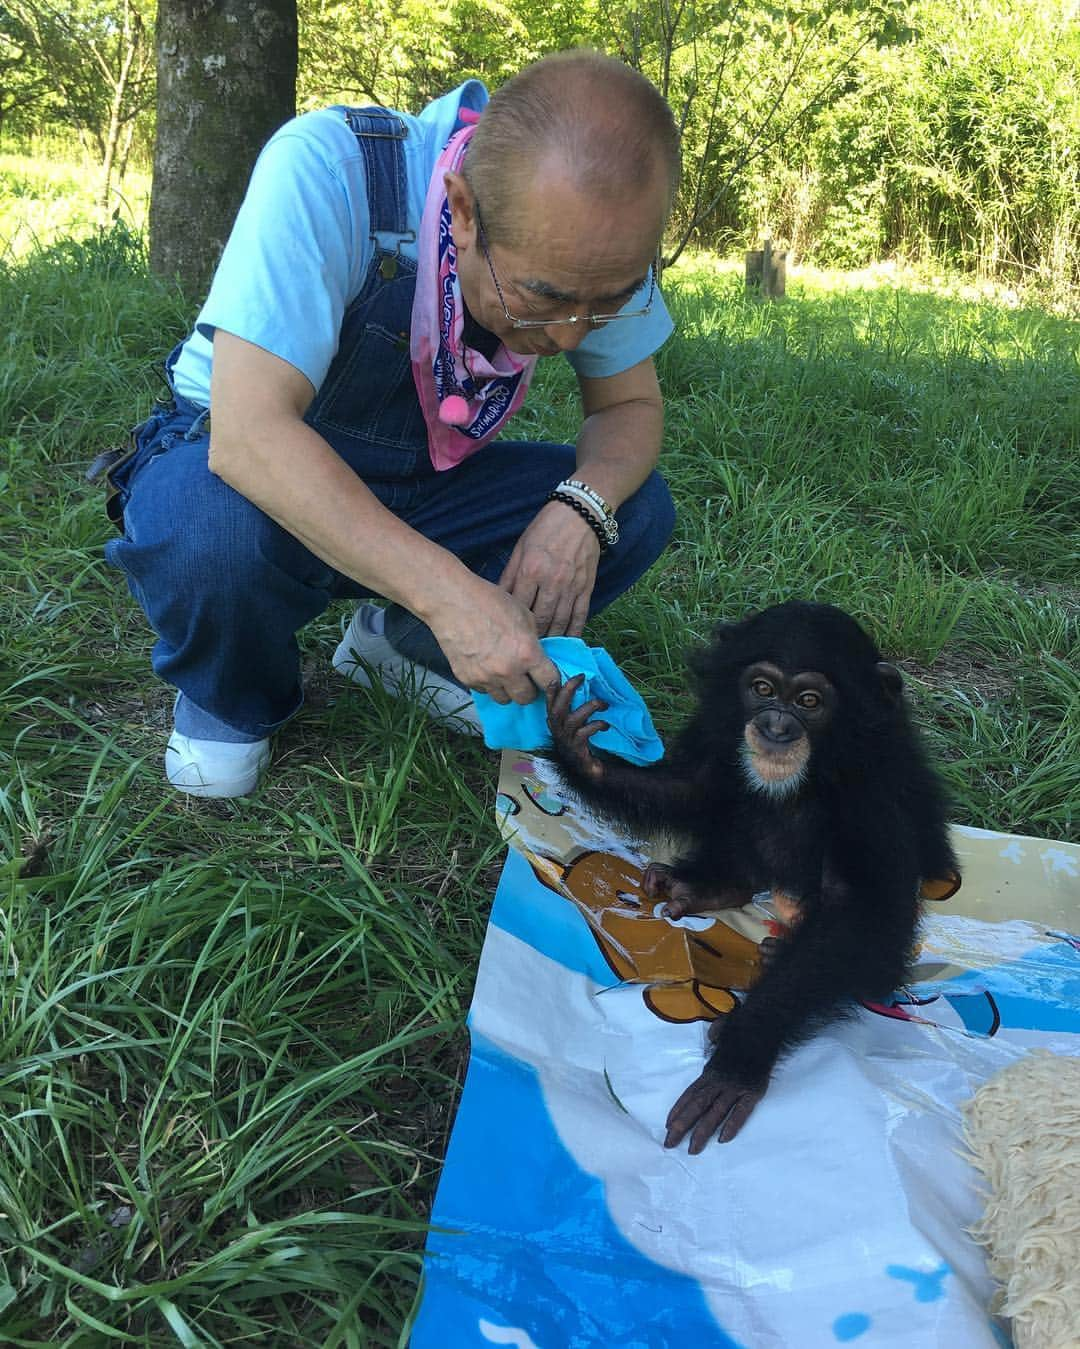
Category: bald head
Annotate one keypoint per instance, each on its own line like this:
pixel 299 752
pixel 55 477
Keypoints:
pixel 585 117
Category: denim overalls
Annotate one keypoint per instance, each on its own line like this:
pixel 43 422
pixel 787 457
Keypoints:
pixel 226 589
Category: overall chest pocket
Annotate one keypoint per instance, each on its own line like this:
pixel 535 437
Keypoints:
pixel 369 395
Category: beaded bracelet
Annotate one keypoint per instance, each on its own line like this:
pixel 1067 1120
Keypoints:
pixel 596 503
pixel 586 514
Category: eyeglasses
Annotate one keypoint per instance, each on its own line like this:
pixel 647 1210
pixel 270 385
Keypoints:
pixel 593 320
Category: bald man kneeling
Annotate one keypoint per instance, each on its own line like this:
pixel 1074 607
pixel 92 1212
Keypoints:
pixel 337 426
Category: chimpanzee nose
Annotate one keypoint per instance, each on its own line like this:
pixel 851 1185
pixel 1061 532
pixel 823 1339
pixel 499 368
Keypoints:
pixel 779 727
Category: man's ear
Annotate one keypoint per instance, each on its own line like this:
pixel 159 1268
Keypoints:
pixel 462 210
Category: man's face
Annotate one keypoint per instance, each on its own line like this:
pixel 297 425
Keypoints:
pixel 579 256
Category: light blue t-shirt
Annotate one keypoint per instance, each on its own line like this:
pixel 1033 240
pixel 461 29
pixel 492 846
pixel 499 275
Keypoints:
pixel 301 247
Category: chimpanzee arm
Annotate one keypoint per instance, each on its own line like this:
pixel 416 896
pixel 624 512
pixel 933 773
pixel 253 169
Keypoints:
pixel 834 956
pixel 642 797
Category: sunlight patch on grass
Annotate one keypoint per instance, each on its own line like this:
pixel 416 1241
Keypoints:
pixel 43 200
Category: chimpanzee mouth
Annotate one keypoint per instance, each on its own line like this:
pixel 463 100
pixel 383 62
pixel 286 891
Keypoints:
pixel 777 773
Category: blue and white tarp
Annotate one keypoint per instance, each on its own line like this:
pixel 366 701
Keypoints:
pixel 837 1216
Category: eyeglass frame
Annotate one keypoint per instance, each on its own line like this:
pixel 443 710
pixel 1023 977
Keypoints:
pixel 593 320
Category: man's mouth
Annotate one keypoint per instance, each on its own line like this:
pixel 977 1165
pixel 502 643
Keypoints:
pixel 531 346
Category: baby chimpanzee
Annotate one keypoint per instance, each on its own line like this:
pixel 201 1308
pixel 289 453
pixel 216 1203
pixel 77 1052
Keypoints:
pixel 798 771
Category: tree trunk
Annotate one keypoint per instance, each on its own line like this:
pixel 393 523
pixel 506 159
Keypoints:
pixel 125 152
pixel 226 80
pixel 132 36
pixel 112 138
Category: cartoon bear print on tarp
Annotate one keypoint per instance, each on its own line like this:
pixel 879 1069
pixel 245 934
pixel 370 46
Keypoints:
pixel 689 968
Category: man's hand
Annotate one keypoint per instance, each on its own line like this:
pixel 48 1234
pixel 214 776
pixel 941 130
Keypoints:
pixel 552 571
pixel 490 640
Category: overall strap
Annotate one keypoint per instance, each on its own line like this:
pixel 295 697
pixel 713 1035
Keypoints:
pixel 381 137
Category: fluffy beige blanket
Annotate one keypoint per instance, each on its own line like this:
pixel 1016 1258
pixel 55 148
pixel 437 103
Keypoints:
pixel 1023 1130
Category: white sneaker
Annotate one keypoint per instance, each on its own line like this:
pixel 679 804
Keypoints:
pixel 366 657
pixel 215 767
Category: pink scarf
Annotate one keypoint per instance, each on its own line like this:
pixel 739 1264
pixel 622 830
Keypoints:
pixel 465 397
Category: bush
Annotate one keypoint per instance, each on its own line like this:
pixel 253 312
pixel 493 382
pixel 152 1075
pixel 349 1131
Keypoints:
pixel 960 143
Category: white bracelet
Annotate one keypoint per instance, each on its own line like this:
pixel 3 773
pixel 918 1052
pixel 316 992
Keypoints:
pixel 586 501
pixel 591 493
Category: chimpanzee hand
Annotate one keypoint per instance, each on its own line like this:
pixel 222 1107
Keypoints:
pixel 715 1103
pixel 572 730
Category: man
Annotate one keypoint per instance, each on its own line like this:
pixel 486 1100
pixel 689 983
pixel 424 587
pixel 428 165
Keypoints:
pixel 387 288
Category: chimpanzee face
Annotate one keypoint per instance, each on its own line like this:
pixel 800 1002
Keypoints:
pixel 784 712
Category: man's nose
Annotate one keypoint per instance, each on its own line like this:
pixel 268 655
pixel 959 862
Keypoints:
pixel 568 336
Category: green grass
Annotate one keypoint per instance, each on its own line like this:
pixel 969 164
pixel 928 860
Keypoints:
pixel 231 1034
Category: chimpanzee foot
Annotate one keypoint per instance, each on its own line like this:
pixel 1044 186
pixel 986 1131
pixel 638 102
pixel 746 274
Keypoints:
pixel 656 880
pixel 683 897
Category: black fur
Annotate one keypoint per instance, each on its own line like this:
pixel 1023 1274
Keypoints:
pixel 850 845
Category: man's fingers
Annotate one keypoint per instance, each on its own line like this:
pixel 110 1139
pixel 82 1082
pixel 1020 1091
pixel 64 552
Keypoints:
pixel 522 691
pixel 553 608
pixel 575 625
pixel 562 617
pixel 508 578
pixel 527 595
pixel 524 688
pixel 543 675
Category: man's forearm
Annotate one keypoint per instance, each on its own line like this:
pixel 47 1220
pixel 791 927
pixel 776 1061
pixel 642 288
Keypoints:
pixel 291 474
pixel 622 431
pixel 618 449
pixel 261 446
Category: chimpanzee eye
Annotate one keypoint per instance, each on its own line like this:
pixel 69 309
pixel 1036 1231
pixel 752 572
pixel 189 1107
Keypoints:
pixel 762 688
pixel 809 699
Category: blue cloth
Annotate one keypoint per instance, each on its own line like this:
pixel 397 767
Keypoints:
pixel 304 239
pixel 631 734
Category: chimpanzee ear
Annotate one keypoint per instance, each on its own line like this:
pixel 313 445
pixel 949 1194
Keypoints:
pixel 892 684
pixel 706 661
pixel 723 632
